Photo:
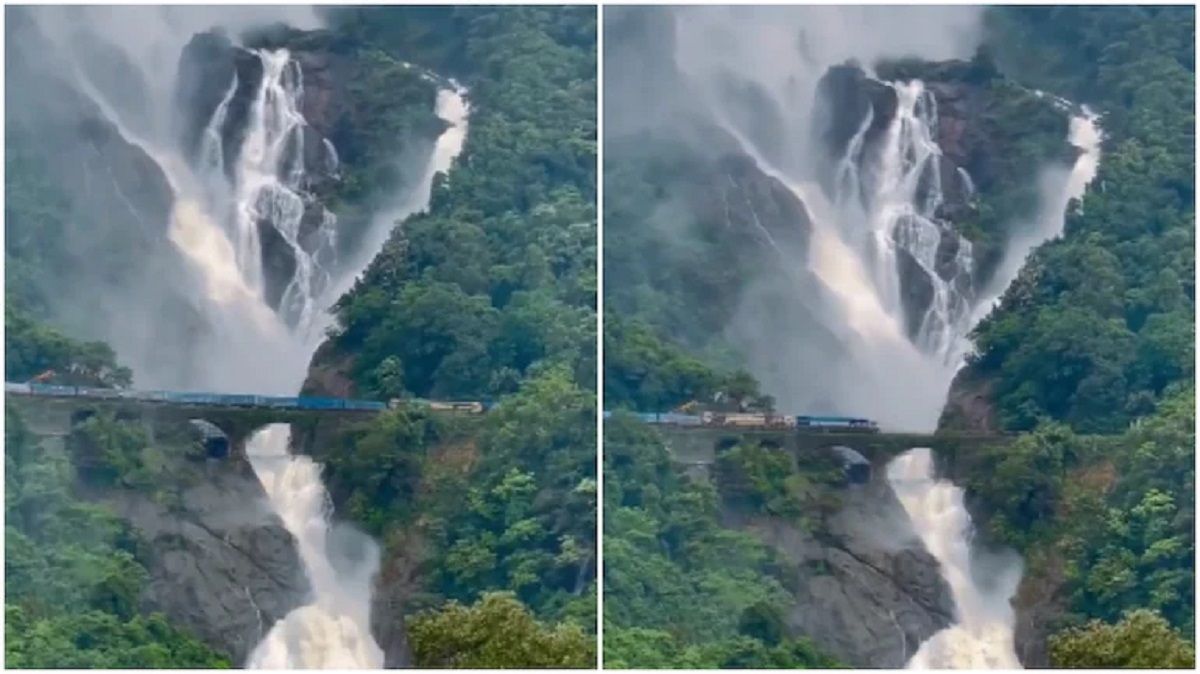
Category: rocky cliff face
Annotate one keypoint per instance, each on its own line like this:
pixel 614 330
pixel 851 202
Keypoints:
pixel 866 592
pixel 221 563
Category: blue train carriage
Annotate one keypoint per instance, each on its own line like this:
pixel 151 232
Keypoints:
pixel 833 424
pixel 238 400
pixel 276 402
pixel 677 419
pixel 14 388
pixel 54 390
pixel 315 403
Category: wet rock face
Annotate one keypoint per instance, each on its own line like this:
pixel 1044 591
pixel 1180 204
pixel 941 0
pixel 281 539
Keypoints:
pixel 866 594
pixel 846 96
pixel 221 563
pixel 756 205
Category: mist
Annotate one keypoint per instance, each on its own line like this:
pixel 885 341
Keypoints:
pixel 112 71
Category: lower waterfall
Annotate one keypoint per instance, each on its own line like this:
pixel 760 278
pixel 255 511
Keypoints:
pixel 334 630
pixel 982 636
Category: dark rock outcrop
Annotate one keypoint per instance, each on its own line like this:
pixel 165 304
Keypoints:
pixel 866 590
pixel 221 563
pixel 845 98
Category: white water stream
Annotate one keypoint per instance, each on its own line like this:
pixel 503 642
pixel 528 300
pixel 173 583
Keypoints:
pixel 982 637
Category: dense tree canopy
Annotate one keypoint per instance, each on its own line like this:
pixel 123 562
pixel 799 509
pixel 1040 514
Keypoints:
pixel 682 591
pixel 490 295
pixel 1097 336
pixel 1101 321
pixel 1141 640
pixel 72 572
pixel 497 632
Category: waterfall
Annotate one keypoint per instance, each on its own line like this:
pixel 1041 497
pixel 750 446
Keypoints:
pixel 1056 191
pixel 900 194
pixel 226 200
pixel 269 191
pixel 982 635
pixel 333 630
pixel 884 206
pixel 876 242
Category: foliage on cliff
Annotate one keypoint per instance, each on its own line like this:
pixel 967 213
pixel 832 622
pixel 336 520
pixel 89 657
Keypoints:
pixel 1119 512
pixel 36 219
pixel 499 275
pixel 644 371
pixel 72 575
pixel 1096 336
pixel 1100 322
pixel 1141 640
pixel 497 632
pixel 682 591
pixel 490 295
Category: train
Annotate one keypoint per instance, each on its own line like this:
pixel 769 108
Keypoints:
pixel 759 420
pixel 239 400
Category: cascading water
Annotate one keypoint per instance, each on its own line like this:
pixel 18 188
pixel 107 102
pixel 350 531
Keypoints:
pixel 269 181
pixel 333 630
pixel 886 201
pixel 884 206
pixel 982 637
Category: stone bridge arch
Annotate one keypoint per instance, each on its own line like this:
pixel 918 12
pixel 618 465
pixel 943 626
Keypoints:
pixel 57 416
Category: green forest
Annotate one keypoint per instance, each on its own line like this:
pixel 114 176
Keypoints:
pixel 490 295
pixel 1089 357
pixel 1091 351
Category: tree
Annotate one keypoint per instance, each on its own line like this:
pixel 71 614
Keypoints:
pixel 497 632
pixel 1141 640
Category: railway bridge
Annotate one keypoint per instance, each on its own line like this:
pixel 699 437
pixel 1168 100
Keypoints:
pixel 230 419
pixel 699 445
